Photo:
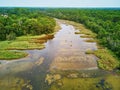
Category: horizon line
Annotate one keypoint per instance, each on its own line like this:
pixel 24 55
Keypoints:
pixel 58 7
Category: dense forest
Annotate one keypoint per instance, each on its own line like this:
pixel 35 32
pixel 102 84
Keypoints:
pixel 23 21
pixel 104 22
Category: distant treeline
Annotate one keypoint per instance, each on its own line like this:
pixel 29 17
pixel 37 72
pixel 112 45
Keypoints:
pixel 104 22
pixel 22 21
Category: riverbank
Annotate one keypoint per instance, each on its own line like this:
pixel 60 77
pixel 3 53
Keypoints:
pixel 21 43
pixel 28 42
pixel 70 69
pixel 107 59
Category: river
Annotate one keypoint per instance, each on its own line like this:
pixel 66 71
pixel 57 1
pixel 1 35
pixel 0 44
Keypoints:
pixel 66 51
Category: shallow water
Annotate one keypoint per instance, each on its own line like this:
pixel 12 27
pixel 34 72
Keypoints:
pixel 70 50
pixel 66 51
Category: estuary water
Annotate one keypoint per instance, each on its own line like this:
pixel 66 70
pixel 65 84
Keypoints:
pixel 66 51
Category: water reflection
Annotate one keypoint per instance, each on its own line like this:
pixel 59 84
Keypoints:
pixel 66 51
pixel 70 51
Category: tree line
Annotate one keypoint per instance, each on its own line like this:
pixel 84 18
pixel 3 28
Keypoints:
pixel 104 22
pixel 23 21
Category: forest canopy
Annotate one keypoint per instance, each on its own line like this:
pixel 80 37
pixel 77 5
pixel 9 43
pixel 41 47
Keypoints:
pixel 22 21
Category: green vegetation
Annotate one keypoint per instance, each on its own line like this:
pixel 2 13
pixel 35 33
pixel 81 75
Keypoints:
pixel 107 60
pixel 22 21
pixel 52 78
pixel 15 83
pixel 109 83
pixel 104 22
pixel 23 28
pixel 86 36
pixel 26 42
pixel 22 43
pixel 57 27
pixel 90 40
pixel 5 54
pixel 67 84
pixel 82 29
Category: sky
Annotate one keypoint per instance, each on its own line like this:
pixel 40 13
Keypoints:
pixel 59 3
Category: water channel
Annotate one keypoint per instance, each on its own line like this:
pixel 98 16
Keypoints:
pixel 66 51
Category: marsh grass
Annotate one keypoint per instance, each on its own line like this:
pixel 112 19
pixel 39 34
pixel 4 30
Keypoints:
pixel 81 28
pixel 24 45
pixel 15 83
pixel 57 27
pixel 4 44
pixel 27 42
pixel 107 60
pixel 40 61
pixel 90 40
pixel 78 33
pixel 71 80
pixel 51 78
pixel 76 84
pixel 86 36
pixel 109 83
pixel 38 41
pixel 8 55
pixel 29 37
pixel 21 43
pixel 89 52
pixel 46 37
